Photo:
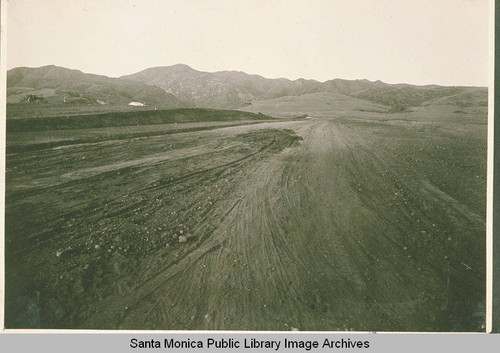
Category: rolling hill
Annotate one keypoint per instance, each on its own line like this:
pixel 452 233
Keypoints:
pixel 61 85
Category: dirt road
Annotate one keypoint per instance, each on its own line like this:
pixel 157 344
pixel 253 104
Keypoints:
pixel 346 228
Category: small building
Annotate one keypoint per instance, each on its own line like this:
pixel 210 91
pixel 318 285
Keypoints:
pixel 137 104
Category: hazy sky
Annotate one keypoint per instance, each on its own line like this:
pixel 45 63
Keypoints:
pixel 414 41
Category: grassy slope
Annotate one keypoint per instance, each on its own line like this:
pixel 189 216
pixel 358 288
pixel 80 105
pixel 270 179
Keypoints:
pixel 313 104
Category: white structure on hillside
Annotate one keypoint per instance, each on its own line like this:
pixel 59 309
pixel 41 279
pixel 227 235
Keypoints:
pixel 137 104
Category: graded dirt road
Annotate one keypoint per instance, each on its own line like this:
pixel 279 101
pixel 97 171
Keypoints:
pixel 314 224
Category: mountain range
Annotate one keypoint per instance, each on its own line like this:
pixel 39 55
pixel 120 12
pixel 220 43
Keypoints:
pixel 235 89
pixel 181 86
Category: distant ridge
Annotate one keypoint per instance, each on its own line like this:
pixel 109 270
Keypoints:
pixel 182 86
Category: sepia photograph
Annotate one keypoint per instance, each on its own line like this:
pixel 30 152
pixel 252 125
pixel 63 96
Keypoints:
pixel 285 165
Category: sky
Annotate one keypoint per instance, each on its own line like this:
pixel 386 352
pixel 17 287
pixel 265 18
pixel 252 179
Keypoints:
pixel 420 42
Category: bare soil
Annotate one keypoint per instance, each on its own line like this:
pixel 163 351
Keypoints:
pixel 316 224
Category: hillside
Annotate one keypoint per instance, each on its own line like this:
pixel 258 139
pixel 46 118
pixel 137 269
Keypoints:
pixel 224 89
pixel 472 97
pixel 235 89
pixel 314 104
pixel 64 86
